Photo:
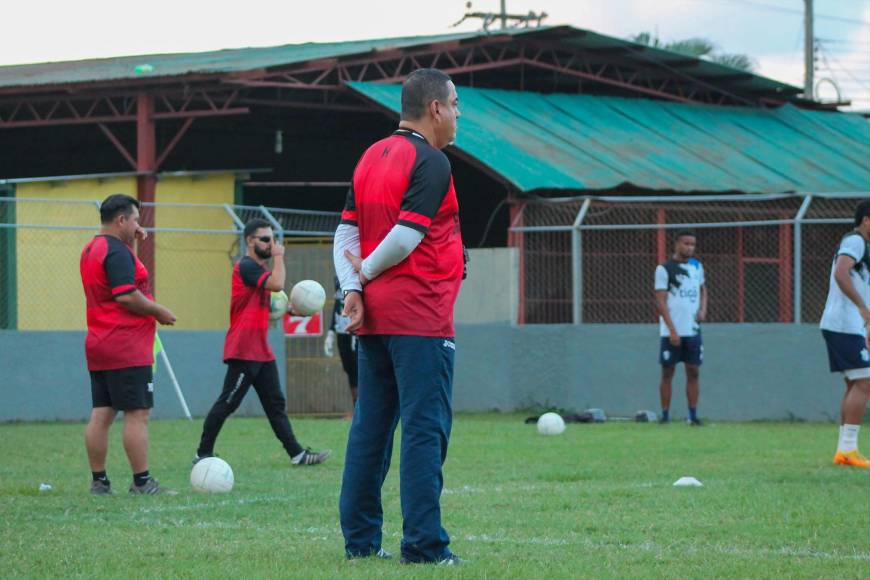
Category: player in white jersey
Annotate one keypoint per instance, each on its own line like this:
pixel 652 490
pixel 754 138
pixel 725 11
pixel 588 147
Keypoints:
pixel 681 298
pixel 844 326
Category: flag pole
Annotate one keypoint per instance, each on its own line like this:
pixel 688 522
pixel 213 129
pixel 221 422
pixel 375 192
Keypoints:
pixel 158 346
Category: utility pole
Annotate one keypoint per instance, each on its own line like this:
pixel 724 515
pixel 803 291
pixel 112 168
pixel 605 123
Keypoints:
pixel 809 49
pixel 503 14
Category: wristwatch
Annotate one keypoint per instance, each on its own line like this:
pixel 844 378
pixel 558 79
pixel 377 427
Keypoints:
pixel 344 293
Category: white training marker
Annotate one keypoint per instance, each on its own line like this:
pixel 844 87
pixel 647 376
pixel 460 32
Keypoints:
pixel 687 482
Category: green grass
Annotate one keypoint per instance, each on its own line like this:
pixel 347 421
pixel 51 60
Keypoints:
pixel 595 502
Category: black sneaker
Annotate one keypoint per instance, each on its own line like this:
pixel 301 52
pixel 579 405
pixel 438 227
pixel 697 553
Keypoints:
pixel 381 554
pixel 694 423
pixel 451 560
pixel 664 421
pixel 310 457
pixel 150 487
pixel 197 457
pixel 100 487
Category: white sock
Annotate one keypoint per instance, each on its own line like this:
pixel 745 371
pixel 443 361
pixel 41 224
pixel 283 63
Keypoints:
pixel 849 438
pixel 840 437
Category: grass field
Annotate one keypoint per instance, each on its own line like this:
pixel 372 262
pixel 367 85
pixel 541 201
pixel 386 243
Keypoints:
pixel 594 502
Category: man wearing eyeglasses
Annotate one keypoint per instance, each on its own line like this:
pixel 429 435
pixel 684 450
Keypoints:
pixel 247 354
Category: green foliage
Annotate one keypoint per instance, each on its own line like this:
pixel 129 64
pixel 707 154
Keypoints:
pixel 595 502
pixel 697 48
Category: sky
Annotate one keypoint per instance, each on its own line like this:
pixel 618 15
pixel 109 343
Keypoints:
pixel 769 31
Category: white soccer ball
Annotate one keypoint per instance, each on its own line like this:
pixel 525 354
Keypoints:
pixel 551 424
pixel 212 475
pixel 307 297
pixel 278 305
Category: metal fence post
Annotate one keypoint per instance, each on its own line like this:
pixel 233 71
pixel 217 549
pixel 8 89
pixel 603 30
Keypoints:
pixel 577 264
pixel 276 225
pixel 240 225
pixel 798 278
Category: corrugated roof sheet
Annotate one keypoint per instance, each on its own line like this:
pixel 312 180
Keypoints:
pixel 214 62
pixel 580 142
pixel 247 59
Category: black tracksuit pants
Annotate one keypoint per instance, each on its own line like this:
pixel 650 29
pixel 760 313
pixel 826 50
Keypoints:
pixel 241 375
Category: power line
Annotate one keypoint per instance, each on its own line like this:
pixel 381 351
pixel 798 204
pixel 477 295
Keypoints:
pixel 776 8
pixel 841 41
pixel 843 69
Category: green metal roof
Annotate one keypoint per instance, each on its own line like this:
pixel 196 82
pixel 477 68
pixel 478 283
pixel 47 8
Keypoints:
pixel 580 142
pixel 167 66
pixel 215 62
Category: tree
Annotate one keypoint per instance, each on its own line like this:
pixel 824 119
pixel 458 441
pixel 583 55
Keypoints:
pixel 698 48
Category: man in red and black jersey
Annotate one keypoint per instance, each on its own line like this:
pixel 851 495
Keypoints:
pixel 249 358
pixel 399 257
pixel 119 347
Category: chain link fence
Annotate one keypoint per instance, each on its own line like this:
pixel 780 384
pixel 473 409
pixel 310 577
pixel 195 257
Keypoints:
pixel 190 252
pixel 592 260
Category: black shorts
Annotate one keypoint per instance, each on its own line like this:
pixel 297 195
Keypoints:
pixel 123 389
pixel 847 354
pixel 690 351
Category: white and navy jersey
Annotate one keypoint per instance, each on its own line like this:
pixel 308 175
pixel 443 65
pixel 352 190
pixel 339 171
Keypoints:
pixel 682 281
pixel 841 314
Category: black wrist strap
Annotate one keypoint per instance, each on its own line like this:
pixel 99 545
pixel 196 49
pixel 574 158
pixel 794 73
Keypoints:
pixel 346 292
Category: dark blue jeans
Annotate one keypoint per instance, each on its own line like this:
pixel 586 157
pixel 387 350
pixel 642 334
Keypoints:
pixel 408 378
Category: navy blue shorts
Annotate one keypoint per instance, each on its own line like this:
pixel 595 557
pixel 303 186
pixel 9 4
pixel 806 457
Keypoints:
pixel 690 351
pixel 846 352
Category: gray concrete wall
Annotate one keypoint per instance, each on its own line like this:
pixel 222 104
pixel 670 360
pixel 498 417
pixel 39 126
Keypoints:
pixel 491 291
pixel 750 371
pixel 763 371
pixel 43 376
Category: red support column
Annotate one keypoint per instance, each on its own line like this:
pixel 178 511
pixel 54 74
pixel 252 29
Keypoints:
pixel 146 162
pixel 741 279
pixel 516 240
pixel 785 273
pixel 661 237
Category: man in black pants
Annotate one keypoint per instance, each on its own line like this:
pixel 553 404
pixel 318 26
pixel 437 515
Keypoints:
pixel 346 342
pixel 249 358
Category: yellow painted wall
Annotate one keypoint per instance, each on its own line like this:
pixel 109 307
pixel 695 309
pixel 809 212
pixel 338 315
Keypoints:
pixel 194 270
pixel 49 285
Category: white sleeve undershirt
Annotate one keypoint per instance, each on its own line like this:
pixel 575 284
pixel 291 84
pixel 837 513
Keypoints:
pixel 346 238
pixel 395 247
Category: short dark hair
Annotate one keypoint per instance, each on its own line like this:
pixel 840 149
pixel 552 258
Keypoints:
pixel 684 234
pixel 423 86
pixel 254 225
pixel 115 205
pixel 862 211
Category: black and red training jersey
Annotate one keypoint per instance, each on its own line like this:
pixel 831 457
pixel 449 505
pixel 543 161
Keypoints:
pixel 404 180
pixel 117 338
pixel 247 337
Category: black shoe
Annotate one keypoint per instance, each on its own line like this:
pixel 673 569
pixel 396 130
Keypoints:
pixel 381 554
pixel 197 457
pixel 310 457
pixel 664 421
pixel 694 423
pixel 100 487
pixel 451 560
pixel 150 487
